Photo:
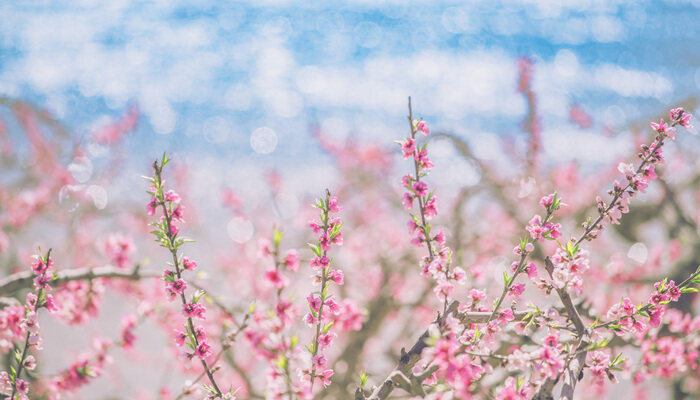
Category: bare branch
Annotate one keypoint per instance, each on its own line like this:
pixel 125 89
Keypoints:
pixel 22 280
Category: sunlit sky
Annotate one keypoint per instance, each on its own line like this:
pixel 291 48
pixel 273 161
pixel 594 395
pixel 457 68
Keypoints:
pixel 247 78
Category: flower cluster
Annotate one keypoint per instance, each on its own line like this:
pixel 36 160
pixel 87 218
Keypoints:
pixel 327 232
pixel 546 361
pixel 11 384
pixel 570 263
pixel 668 354
pixel 624 316
pixel 541 230
pixel 166 233
pixel 81 372
pixel 118 248
pixel 454 367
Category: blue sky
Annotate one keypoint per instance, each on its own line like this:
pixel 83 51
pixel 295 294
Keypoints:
pixel 236 78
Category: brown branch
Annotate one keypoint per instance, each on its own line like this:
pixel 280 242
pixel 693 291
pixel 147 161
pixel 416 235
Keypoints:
pixel 402 375
pixel 575 367
pixel 409 359
pixel 23 280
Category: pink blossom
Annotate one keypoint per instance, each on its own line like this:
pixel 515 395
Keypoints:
pixel 152 206
pixel 127 335
pixel 42 281
pixel 350 317
pixel 506 315
pixel 547 200
pixel 333 307
pixel 203 350
pixel 420 189
pixel 660 127
pixel 314 302
pixel 477 295
pixel 275 279
pixel 517 290
pixel 29 363
pixel 264 248
pixel 22 387
pixel 325 340
pixel 194 310
pixel 444 289
pixel 430 207
pixel 119 248
pixel 291 261
pixel 459 275
pixel 171 196
pixel 310 320
pixel 326 377
pixel 408 148
pixel 682 116
pixel 319 361
pixel 627 169
pixel 188 264
pixel 511 391
pixel 177 286
pixel 598 361
pixel 655 316
pixel 422 127
pixel 39 267
pixel 336 276
pixel 531 270
pixel 315 227
pixel 177 214
pixel 333 204
pixel 320 262
pixel 180 337
pixel 407 201
pixel 674 292
pixel 407 180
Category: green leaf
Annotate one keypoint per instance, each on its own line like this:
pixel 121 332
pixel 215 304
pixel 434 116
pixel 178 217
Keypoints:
pixel 328 327
pixel 315 249
pixel 276 236
pixel 197 295
pixel 208 389
pixel 506 278
pixel 363 379
pixel 690 290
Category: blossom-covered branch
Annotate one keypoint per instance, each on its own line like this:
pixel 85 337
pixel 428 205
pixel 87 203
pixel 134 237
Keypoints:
pixel 328 232
pixel 166 232
pixel 12 383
